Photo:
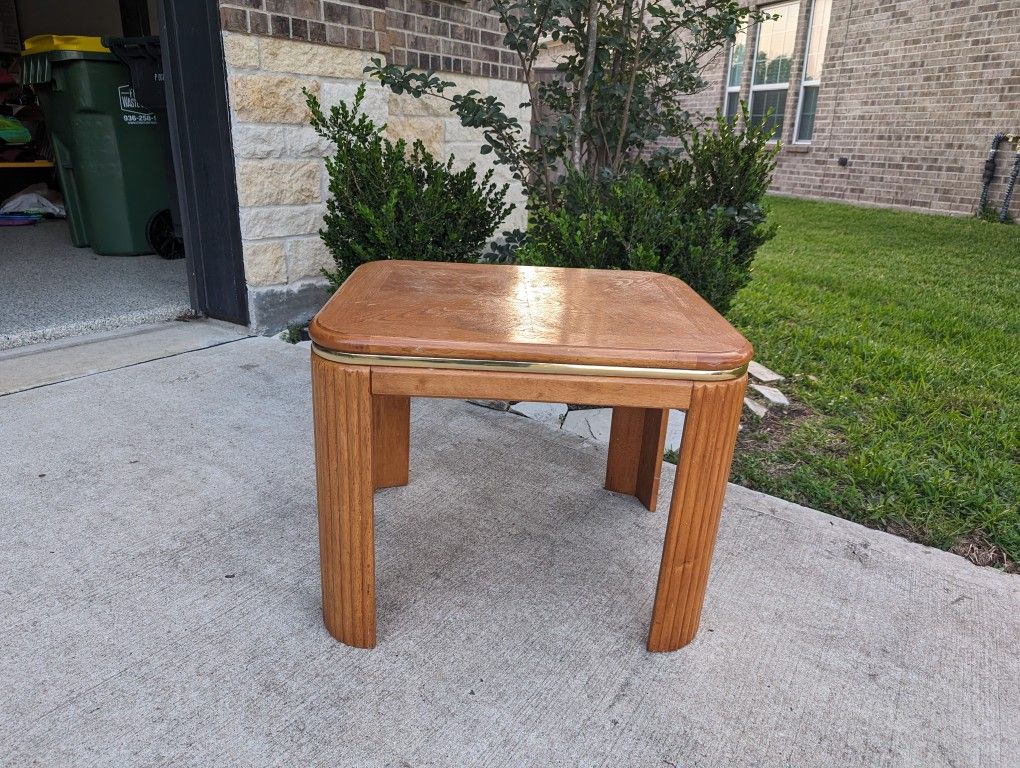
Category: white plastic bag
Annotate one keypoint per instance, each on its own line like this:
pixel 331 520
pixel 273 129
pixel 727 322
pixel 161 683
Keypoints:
pixel 37 198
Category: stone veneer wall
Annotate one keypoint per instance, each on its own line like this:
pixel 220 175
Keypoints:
pixel 912 93
pixel 281 179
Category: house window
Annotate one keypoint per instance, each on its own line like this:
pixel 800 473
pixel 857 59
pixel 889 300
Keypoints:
pixel 734 71
pixel 770 78
pixel 813 58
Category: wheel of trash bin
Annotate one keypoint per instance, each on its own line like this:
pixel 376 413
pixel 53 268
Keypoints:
pixel 160 234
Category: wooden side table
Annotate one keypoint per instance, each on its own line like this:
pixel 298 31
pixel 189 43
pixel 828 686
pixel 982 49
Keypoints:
pixel 640 342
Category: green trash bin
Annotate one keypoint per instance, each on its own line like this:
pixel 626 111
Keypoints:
pixel 107 147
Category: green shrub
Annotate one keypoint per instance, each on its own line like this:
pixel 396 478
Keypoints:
pixel 386 202
pixel 698 216
pixel 616 222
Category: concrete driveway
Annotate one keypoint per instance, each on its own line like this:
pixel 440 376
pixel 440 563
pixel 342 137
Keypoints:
pixel 159 598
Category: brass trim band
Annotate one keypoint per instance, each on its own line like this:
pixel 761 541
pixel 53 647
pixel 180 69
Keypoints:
pixel 513 366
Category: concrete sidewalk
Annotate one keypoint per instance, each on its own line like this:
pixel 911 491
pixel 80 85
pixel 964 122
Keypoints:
pixel 159 598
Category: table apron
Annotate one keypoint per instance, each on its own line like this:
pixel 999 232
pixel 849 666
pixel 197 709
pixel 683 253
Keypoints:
pixel 539 387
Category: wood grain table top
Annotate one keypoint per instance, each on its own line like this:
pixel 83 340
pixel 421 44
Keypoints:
pixel 528 314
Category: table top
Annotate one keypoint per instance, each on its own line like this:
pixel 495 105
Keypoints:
pixel 529 314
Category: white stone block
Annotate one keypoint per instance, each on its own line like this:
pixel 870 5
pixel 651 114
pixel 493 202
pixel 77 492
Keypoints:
pixel 266 98
pixel 307 257
pixel 283 55
pixel 241 50
pixel 280 221
pixel 763 374
pixel 375 105
pixel 253 141
pixel 758 409
pixel 279 182
pixel 264 263
pixel 333 92
pixel 771 394
pixel 304 142
pixel 511 92
pixel 427 106
pixel 427 130
pixel 455 132
pixel 518 218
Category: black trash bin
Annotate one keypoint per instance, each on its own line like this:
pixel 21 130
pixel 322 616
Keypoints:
pixel 143 57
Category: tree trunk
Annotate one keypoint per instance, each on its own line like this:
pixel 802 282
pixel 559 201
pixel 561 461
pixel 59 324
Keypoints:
pixel 582 88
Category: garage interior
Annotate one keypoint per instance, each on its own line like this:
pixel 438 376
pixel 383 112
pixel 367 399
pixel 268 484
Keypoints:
pixel 56 279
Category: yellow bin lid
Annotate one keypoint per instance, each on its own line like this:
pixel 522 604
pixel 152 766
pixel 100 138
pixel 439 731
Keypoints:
pixel 48 43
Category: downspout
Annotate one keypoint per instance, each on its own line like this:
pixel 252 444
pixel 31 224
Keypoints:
pixel 1011 184
pixel 989 174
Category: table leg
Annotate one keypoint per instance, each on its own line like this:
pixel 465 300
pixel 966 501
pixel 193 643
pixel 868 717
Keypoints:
pixel 637 438
pixel 391 440
pixel 342 409
pixel 706 451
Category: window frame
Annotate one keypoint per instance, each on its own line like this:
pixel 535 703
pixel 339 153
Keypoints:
pixel 731 89
pixel 777 136
pixel 804 83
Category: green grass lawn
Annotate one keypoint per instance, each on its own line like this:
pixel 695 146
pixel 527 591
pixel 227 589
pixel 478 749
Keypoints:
pixel 900 337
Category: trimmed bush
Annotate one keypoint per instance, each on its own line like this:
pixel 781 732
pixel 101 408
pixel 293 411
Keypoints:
pixel 387 201
pixel 698 216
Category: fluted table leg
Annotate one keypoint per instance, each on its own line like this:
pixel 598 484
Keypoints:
pixel 706 452
pixel 342 409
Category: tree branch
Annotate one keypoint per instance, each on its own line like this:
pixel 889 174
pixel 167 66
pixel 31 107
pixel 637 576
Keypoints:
pixel 582 88
pixel 625 118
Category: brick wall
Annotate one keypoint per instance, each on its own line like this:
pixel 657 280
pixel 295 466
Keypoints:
pixel 452 36
pixel 912 93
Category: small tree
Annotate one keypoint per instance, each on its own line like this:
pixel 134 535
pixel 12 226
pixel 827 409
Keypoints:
pixel 620 87
pixel 620 174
